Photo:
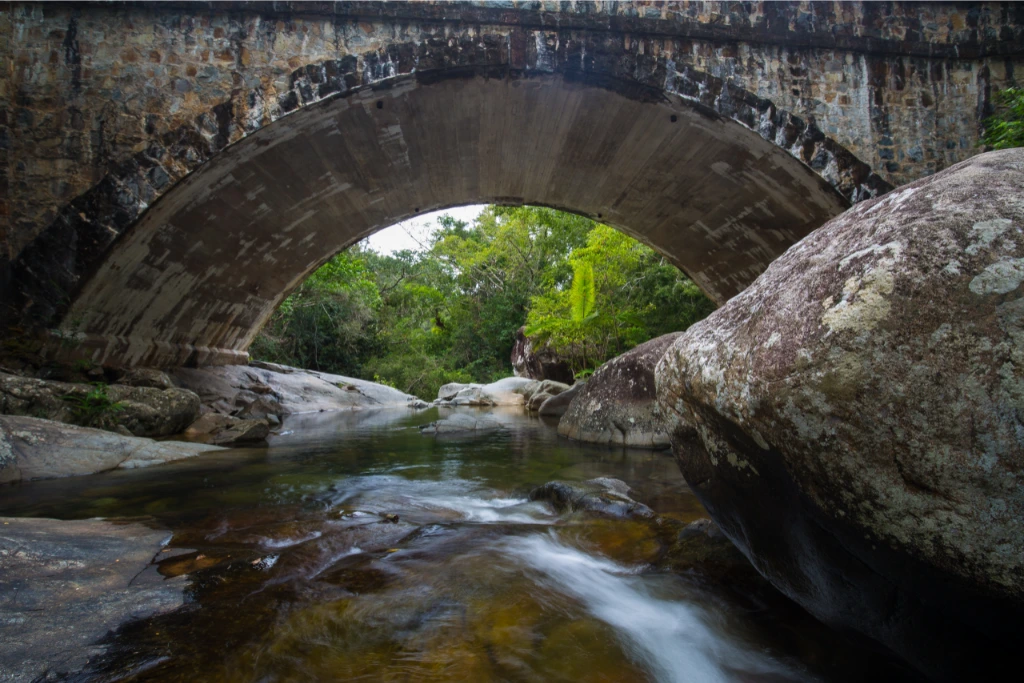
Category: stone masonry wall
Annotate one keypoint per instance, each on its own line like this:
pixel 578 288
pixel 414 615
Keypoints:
pixel 902 86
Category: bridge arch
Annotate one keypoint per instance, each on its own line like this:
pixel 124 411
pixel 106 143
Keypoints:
pixel 145 271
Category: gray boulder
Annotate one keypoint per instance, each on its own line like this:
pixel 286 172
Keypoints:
pixel 509 391
pixel 266 389
pixel 854 420
pixel 617 405
pixel 225 430
pixel 536 395
pixel 143 411
pixel 558 404
pixel 31 448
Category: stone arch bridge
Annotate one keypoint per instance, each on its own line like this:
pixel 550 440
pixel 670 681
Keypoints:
pixel 172 171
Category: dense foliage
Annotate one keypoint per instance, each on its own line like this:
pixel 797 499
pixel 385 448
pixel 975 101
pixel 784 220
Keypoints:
pixel 416 320
pixel 1006 128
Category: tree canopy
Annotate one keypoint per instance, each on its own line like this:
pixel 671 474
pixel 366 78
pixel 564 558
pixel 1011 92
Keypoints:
pixel 450 313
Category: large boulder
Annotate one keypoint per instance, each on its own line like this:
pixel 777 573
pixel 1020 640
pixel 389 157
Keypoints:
pixel 31 448
pixel 854 420
pixel 265 389
pixel 141 410
pixel 510 391
pixel 538 363
pixel 617 405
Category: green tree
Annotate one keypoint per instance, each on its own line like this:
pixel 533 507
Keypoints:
pixel 623 293
pixel 450 312
pixel 323 325
pixel 1006 128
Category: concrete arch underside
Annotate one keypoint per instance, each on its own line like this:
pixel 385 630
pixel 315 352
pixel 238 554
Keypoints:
pixel 192 281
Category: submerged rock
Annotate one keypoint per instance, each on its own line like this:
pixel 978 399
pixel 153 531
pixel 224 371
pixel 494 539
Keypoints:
pixel 854 420
pixel 617 405
pixel 462 423
pixel 603 495
pixel 65 585
pixel 142 410
pixel 31 448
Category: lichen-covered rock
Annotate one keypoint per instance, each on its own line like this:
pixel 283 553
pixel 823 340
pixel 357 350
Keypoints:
pixel 32 448
pixel 143 411
pixel 538 363
pixel 146 377
pixel 854 420
pixel 617 405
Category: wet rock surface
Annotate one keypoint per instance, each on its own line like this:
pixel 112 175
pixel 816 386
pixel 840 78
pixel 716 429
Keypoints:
pixel 617 405
pixel 463 423
pixel 603 495
pixel 142 410
pixel 853 420
pixel 64 585
pixel 31 448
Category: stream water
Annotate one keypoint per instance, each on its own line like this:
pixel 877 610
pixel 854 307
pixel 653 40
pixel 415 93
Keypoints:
pixel 298 575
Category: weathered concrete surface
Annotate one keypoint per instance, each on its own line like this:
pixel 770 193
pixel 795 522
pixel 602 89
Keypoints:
pixel 64 585
pixel 32 448
pixel 283 390
pixel 142 411
pixel 718 134
pixel 618 403
pixel 854 420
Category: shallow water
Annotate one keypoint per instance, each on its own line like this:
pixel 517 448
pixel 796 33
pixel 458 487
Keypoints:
pixel 297 576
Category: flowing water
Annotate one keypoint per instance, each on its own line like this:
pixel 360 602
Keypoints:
pixel 300 572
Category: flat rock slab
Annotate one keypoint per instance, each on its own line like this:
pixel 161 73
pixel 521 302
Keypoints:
pixel 463 423
pixel 64 585
pixel 31 448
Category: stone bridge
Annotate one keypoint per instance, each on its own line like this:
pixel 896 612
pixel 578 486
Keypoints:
pixel 173 171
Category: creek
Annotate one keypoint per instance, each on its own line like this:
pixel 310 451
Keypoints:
pixel 299 570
